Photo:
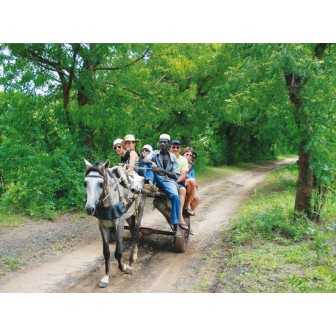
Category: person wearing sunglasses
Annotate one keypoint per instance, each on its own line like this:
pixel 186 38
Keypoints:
pixel 193 200
pixel 176 148
pixel 129 158
pixel 118 147
pixel 130 144
pixel 145 169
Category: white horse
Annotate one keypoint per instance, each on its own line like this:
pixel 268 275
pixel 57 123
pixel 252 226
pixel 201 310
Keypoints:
pixel 110 199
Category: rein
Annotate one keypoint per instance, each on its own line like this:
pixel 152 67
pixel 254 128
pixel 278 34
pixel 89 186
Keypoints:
pixel 142 168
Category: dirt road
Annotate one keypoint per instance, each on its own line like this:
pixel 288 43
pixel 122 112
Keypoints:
pixel 158 270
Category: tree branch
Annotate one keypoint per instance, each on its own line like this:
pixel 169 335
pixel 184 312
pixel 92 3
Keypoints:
pixel 35 56
pixel 126 89
pixel 173 81
pixel 124 66
pixel 319 49
pixel 76 48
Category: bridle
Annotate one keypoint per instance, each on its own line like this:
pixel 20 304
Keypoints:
pixel 115 210
pixel 104 194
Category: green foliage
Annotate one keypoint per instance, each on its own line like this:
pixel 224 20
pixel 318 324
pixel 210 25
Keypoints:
pixel 229 102
pixel 11 263
pixel 270 253
pixel 45 186
pixel 321 279
pixel 10 218
pixel 40 168
pixel 269 216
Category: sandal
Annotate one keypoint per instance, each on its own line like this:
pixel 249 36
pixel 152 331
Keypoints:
pixel 184 226
pixel 189 211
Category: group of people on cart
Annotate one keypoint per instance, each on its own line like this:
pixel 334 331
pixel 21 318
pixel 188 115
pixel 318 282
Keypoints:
pixel 170 169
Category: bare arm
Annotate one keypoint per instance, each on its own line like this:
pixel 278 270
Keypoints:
pixel 160 170
pixel 133 159
pixel 182 177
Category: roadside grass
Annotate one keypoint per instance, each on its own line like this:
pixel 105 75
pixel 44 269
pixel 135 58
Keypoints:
pixel 9 263
pixel 267 252
pixel 209 174
pixel 10 219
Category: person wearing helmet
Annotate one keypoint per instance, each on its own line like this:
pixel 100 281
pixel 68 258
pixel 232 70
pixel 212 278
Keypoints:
pixel 118 147
pixel 145 169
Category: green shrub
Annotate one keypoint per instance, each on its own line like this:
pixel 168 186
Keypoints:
pixel 269 212
pixel 270 252
pixel 46 186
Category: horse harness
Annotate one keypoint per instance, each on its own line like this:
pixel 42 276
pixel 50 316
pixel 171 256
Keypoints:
pixel 114 211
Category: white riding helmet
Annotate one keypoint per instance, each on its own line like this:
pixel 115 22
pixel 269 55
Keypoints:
pixel 117 141
pixel 149 147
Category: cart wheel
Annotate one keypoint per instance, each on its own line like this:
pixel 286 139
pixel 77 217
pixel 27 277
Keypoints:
pixel 181 243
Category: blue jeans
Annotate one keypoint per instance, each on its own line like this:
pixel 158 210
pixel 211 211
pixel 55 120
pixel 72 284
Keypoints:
pixel 170 188
pixel 146 173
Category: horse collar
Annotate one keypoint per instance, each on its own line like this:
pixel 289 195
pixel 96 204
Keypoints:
pixel 112 212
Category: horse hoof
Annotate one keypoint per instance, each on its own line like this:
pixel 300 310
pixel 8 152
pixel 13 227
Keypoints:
pixel 128 270
pixel 103 284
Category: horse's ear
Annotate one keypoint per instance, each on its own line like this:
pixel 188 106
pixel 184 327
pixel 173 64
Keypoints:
pixel 107 163
pixel 88 164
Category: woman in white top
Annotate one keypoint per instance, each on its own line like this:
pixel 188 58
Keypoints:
pixel 130 145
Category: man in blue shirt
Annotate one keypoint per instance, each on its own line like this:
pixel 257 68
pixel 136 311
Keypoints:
pixel 166 172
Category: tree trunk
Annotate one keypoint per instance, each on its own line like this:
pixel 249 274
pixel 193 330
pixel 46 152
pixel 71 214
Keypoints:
pixel 229 142
pixel 66 101
pixel 304 186
pixel 305 182
pixel 86 93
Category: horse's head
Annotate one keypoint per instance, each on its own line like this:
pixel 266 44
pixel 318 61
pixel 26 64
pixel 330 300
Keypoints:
pixel 95 184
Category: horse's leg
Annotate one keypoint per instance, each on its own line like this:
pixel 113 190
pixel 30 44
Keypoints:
pixel 112 234
pixel 132 223
pixel 118 250
pixel 135 234
pixel 105 233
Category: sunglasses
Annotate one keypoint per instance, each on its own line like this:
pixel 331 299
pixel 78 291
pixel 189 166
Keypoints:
pixel 129 142
pixel 188 154
pixel 175 147
pixel 116 147
pixel 145 150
